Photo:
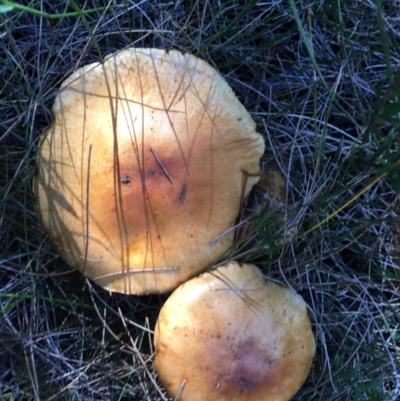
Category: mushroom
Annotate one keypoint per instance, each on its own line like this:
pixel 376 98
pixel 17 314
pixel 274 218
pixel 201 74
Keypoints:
pixel 142 174
pixel 269 207
pixel 228 335
pixel 272 184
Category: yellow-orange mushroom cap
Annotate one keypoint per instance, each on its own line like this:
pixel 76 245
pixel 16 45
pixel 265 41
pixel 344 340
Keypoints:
pixel 228 335
pixel 143 168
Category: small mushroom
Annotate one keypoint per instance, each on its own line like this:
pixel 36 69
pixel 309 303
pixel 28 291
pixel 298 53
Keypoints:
pixel 143 169
pixel 272 184
pixel 228 335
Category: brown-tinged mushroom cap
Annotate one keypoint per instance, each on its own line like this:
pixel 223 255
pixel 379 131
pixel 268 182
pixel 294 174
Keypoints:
pixel 273 183
pixel 273 186
pixel 143 168
pixel 228 335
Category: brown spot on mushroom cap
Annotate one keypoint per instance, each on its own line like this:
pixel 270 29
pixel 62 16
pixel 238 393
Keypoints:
pixel 143 168
pixel 232 336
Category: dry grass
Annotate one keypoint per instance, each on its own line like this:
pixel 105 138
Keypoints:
pixel 321 81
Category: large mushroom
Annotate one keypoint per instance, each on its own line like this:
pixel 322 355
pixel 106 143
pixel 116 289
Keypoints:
pixel 144 169
pixel 228 335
